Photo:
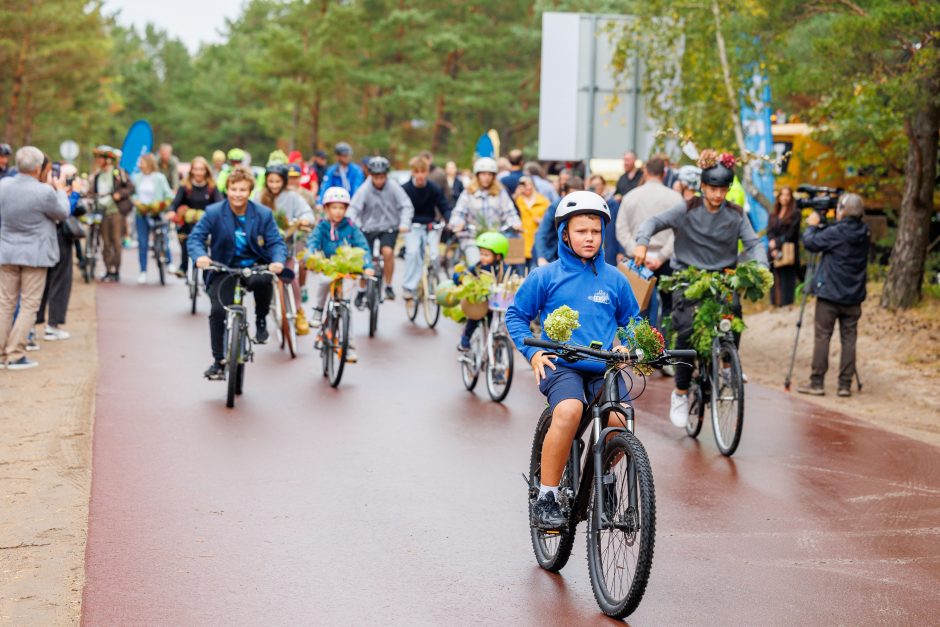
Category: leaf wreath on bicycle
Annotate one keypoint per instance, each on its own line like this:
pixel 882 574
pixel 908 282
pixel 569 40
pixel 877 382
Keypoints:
pixel 707 231
pixel 243 234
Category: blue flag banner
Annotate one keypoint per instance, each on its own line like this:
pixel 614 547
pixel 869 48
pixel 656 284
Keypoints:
pixel 137 142
pixel 759 140
pixel 484 147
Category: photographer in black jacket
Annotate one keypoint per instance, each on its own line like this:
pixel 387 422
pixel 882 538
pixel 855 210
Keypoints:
pixel 839 286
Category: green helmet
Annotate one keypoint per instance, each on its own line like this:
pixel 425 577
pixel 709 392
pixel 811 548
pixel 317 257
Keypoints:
pixel 277 157
pixel 496 242
pixel 236 154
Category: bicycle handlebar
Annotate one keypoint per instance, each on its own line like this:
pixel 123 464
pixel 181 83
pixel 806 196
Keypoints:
pixel 573 352
pixel 246 272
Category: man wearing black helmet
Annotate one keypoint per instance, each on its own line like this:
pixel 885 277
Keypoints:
pixel 5 169
pixel 344 173
pixel 382 209
pixel 707 230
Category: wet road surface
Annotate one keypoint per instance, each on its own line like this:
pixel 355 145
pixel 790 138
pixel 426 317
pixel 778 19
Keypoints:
pixel 398 498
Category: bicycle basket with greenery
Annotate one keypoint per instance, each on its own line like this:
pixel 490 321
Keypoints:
pixel 715 292
pixel 346 260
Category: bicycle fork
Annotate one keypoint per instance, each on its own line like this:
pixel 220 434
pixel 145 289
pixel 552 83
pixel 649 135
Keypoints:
pixel 600 433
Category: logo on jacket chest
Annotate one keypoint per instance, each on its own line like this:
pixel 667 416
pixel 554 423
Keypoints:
pixel 600 297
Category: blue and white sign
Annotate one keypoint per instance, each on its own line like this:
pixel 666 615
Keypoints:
pixel 137 142
pixel 759 140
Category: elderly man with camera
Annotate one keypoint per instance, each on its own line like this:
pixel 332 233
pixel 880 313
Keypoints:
pixel 839 286
pixel 31 204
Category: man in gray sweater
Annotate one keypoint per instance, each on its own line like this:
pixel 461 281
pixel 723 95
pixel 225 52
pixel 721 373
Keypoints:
pixel 707 230
pixel 29 246
pixel 382 210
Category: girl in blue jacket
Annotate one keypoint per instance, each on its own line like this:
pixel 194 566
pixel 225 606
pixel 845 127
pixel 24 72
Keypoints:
pixel 582 280
pixel 335 231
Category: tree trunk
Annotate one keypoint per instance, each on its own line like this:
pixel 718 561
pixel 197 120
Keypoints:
pixel 19 73
pixel 442 125
pixel 315 123
pixel 906 267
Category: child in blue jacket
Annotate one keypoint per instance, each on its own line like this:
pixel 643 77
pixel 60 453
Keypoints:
pixel 582 280
pixel 331 233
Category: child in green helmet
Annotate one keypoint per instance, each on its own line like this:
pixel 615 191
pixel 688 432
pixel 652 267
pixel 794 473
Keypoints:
pixel 493 249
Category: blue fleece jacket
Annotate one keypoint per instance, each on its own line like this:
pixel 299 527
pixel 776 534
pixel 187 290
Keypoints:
pixel 596 290
pixel 326 238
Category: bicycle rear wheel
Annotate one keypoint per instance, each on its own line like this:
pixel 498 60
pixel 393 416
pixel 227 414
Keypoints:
pixel 552 548
pixel 194 289
pixel 374 299
pixel 499 370
pixel 696 410
pixel 620 545
pixel 233 325
pixel 727 399
pixel 339 340
pixel 290 319
pixel 276 312
pixel 412 304
pixel 159 250
pixel 432 309
pixel 240 369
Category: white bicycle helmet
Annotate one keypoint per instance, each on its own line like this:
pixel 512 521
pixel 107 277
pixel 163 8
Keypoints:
pixel 582 202
pixel 335 194
pixel 485 164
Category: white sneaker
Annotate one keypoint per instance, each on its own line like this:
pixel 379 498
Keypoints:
pixel 679 409
pixel 55 333
pixel 142 278
pixel 171 268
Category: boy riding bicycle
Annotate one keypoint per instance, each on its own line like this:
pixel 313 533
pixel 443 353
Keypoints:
pixel 582 280
pixel 493 249
pixel 335 231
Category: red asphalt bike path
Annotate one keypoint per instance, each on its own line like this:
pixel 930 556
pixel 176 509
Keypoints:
pixel 399 497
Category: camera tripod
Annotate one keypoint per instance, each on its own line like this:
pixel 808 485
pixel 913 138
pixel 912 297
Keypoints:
pixel 807 288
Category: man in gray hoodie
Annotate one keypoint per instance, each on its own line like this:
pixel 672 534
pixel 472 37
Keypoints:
pixel 382 210
pixel 29 246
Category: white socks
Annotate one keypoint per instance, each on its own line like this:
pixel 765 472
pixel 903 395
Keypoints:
pixel 545 489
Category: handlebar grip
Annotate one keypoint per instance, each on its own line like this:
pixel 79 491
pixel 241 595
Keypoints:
pixel 540 343
pixel 682 354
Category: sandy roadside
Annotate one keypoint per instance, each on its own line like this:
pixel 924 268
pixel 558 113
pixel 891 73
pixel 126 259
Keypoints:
pixel 45 474
pixel 898 360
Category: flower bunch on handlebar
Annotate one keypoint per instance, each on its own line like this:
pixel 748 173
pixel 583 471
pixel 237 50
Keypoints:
pixel 151 208
pixel 639 335
pixel 715 292
pixel 347 260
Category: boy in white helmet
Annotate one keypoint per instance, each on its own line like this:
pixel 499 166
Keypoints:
pixel 582 280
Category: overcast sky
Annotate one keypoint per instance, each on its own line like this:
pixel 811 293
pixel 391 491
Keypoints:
pixel 192 21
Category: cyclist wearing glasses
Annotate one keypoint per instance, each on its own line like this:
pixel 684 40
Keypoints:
pixel 430 207
pixel 382 210
pixel 243 234
pixel 493 249
pixel 582 280
pixel 707 230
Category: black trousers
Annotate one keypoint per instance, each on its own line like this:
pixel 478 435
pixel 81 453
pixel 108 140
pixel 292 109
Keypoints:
pixel 827 313
pixel 222 292
pixel 683 311
pixel 58 288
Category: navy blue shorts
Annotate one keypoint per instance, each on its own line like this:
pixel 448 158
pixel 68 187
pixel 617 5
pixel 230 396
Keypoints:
pixel 565 382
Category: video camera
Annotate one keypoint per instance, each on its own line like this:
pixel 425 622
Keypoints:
pixel 821 199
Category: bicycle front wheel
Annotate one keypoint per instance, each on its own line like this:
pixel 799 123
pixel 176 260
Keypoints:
pixel 499 370
pixel 412 304
pixel 159 252
pixel 471 361
pixel 194 290
pixel 374 299
pixel 290 319
pixel 727 399
pixel 339 340
pixel 552 548
pixel 432 308
pixel 231 358
pixel 620 544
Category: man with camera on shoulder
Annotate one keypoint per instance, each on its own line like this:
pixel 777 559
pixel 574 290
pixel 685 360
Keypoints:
pixel 839 286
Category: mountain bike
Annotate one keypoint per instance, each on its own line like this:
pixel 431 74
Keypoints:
pixel 491 352
pixel 374 295
pixel 611 487
pixel 335 328
pixel 719 383
pixel 93 220
pixel 238 343
pixel 425 294
pixel 284 312
pixel 159 231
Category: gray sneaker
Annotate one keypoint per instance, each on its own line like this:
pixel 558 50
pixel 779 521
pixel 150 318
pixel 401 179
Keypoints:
pixel 22 364
pixel 811 389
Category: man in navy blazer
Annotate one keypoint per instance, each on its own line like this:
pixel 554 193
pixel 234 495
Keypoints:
pixel 240 234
